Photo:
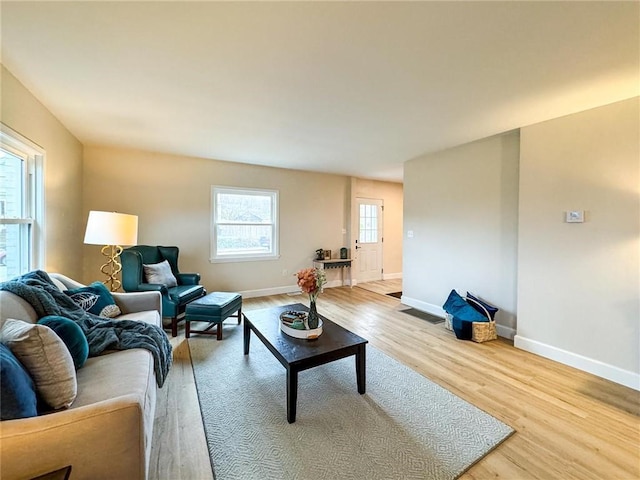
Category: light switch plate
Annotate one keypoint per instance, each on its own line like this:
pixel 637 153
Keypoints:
pixel 575 216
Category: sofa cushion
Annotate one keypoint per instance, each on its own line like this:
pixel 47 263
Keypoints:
pixel 150 316
pixel 18 393
pixel 72 336
pixel 96 299
pixel 114 374
pixel 45 357
pixel 160 273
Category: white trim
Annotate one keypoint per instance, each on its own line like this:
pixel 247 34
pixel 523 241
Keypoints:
pixel 501 330
pixel 391 276
pixel 505 332
pixel 246 258
pixel 264 292
pixel 610 372
pixel 34 157
pixel 424 306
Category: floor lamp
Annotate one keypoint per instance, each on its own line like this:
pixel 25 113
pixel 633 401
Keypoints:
pixel 112 230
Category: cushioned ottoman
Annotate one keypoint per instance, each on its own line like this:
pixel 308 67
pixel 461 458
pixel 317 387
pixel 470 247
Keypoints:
pixel 213 308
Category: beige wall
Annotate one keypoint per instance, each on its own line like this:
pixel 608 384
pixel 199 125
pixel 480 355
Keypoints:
pixel 171 195
pixel 578 284
pixel 392 196
pixel 461 206
pixel 64 228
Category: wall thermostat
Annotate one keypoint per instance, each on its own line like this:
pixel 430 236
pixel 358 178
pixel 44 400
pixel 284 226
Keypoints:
pixel 575 216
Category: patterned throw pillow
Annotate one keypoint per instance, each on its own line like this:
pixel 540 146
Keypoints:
pixel 45 357
pixel 96 299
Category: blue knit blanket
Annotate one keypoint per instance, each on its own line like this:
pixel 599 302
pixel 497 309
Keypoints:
pixel 102 333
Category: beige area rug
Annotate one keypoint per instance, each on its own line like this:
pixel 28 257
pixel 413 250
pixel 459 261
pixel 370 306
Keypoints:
pixel 404 427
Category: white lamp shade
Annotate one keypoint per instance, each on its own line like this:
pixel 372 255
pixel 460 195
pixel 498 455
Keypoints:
pixel 111 228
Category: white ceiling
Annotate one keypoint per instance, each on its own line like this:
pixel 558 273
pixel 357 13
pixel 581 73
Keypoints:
pixel 355 88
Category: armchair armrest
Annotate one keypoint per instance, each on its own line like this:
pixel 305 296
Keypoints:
pixel 139 301
pixel 188 278
pixel 151 287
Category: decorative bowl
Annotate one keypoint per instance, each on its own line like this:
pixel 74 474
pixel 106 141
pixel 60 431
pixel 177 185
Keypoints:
pixel 307 334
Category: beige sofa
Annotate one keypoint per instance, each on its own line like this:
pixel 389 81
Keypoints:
pixel 106 433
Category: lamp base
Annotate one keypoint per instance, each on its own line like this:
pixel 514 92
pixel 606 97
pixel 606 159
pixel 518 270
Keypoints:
pixel 113 267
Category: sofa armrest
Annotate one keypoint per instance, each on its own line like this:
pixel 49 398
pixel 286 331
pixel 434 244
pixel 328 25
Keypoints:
pixel 70 283
pixel 138 301
pixel 78 437
pixel 188 278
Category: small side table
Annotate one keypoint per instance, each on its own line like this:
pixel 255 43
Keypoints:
pixel 340 263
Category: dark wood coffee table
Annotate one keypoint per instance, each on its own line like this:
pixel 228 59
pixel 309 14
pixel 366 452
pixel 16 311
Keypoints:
pixel 297 355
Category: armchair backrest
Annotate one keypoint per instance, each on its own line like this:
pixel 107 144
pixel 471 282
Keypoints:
pixel 134 257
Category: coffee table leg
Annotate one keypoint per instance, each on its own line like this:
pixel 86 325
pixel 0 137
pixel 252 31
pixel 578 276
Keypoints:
pixel 361 368
pixel 247 337
pixel 292 394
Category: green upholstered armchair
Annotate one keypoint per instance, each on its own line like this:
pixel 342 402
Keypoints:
pixel 174 299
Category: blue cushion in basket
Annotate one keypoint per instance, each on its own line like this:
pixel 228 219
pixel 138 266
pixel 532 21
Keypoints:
pixel 463 315
pixel 490 308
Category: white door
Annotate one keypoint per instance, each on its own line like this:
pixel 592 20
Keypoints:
pixel 368 245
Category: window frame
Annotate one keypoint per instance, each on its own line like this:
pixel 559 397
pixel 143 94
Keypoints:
pixel 32 251
pixel 215 257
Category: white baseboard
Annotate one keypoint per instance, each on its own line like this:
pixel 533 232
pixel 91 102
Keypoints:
pixel 596 367
pixel 505 332
pixel 391 276
pixel 502 331
pixel 336 283
pixel 424 306
pixel 264 292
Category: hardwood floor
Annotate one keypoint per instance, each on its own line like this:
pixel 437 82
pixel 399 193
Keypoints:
pixel 569 424
pixel 382 286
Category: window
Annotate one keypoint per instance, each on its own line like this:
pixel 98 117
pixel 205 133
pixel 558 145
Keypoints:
pixel 368 223
pixel 244 224
pixel 21 205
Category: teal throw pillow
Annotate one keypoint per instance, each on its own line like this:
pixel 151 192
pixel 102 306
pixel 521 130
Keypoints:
pixel 96 299
pixel 18 392
pixel 71 335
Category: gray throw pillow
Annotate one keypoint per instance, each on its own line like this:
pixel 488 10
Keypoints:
pixel 46 358
pixel 160 273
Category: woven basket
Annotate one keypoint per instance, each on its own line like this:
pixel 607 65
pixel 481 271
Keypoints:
pixel 483 331
pixel 448 321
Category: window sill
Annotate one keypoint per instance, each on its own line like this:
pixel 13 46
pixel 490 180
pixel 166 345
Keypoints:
pixel 234 259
